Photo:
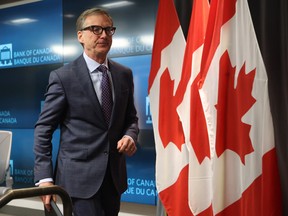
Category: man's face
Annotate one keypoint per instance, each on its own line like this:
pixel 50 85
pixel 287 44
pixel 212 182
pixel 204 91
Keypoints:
pixel 96 45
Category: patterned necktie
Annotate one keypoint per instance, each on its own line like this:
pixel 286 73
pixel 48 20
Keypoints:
pixel 106 97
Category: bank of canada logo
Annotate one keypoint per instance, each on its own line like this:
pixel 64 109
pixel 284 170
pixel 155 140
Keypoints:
pixel 148 113
pixel 5 55
pixel 11 167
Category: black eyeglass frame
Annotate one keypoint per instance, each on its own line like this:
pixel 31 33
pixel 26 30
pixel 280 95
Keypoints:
pixel 110 30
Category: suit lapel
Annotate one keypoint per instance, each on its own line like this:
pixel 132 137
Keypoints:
pixel 116 86
pixel 82 73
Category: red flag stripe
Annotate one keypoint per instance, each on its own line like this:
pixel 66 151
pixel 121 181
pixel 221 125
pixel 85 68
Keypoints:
pixel 212 40
pixel 165 28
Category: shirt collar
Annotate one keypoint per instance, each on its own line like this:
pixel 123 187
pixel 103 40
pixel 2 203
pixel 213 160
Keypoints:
pixel 92 64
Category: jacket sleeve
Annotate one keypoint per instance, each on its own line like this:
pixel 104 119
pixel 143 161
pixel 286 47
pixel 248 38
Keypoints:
pixel 50 117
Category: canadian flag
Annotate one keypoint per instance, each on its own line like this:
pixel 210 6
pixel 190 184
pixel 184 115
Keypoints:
pixel 192 116
pixel 165 75
pixel 215 154
pixel 234 94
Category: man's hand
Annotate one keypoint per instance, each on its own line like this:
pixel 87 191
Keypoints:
pixel 126 145
pixel 46 198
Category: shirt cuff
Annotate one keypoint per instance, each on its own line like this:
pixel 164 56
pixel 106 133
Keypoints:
pixel 43 181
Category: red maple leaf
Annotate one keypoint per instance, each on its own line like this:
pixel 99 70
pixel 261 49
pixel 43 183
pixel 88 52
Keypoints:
pixel 198 129
pixel 170 126
pixel 232 133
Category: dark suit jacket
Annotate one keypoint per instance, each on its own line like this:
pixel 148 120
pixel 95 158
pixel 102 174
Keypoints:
pixel 85 141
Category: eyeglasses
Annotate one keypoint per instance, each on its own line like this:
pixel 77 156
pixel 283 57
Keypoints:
pixel 97 30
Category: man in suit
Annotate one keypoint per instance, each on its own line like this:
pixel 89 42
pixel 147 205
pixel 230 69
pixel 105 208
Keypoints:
pixel 91 164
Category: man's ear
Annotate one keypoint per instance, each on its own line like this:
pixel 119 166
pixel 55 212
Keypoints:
pixel 80 36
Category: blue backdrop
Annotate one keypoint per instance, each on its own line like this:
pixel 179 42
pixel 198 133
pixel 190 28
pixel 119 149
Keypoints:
pixel 40 37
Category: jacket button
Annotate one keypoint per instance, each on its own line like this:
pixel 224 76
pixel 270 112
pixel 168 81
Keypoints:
pixel 106 152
